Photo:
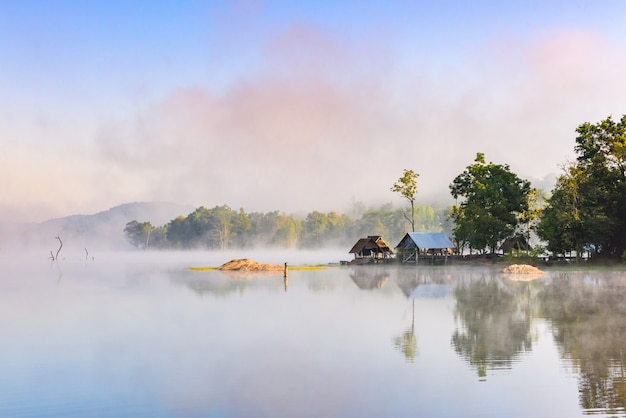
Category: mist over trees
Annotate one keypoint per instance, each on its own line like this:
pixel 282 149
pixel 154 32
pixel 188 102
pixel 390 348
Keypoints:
pixel 222 227
pixel 584 214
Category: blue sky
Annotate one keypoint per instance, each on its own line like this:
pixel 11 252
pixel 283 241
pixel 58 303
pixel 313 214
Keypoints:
pixel 292 106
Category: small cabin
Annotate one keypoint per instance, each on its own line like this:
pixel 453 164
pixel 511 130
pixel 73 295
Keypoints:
pixel 371 249
pixel 422 244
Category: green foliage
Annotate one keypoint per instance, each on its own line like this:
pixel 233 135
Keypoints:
pixel 177 233
pixel 587 209
pixel 561 223
pixel 407 187
pixel 138 233
pixel 222 227
pixel 208 228
pixel 274 229
pixel 494 201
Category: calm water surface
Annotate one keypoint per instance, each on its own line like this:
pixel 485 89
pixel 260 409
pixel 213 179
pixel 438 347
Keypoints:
pixel 141 335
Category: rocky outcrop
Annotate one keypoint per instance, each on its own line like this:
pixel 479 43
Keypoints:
pixel 245 264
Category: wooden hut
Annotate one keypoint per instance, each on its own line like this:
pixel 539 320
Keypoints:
pixel 371 249
pixel 516 243
pixel 420 244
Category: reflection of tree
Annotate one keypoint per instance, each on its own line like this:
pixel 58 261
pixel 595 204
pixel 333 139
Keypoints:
pixel 496 325
pixel 589 327
pixel 406 342
pixel 409 281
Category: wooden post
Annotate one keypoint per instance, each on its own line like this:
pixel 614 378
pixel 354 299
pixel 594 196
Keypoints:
pixel 286 281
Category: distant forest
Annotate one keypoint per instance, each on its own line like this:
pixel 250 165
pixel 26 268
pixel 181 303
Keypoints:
pixel 585 213
pixel 222 227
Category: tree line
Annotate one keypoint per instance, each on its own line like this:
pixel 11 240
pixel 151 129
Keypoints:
pixel 222 227
pixel 585 213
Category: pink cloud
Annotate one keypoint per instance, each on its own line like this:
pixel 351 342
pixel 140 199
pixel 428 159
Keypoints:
pixel 306 131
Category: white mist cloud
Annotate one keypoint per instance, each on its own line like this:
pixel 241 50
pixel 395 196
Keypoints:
pixel 327 120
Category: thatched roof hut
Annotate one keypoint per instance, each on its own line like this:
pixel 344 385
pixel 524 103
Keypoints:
pixel 373 247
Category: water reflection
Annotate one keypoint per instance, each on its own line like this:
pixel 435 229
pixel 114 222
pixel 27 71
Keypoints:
pixel 588 312
pixel 222 283
pixel 406 342
pixel 495 318
pixel 417 283
pixel 425 282
pixel 495 321
pixel 55 263
pixel 369 277
pixel 372 341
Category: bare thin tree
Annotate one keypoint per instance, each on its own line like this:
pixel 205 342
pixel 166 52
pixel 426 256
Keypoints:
pixel 53 257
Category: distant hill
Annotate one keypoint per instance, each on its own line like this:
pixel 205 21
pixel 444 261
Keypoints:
pixel 103 230
pixel 158 213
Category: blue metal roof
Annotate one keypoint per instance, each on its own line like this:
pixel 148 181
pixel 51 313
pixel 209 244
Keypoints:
pixel 426 240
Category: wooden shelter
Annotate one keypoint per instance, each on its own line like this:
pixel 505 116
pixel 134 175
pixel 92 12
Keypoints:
pixel 419 244
pixel 516 243
pixel 371 249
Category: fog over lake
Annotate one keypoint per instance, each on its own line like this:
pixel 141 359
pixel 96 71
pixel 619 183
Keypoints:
pixel 228 124
pixel 139 334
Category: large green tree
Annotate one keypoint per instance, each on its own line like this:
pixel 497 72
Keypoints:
pixel 587 210
pixel 491 203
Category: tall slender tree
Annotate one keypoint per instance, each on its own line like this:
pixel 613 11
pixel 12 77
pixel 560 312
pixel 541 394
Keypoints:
pixel 407 187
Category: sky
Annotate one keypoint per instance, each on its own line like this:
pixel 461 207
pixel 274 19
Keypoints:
pixel 291 106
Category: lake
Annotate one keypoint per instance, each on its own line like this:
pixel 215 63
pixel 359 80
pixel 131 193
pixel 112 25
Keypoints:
pixel 140 335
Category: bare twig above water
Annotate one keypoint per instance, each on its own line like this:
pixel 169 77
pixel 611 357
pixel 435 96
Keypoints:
pixel 60 246
pixel 52 256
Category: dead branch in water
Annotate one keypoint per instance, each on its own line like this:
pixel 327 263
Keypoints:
pixel 58 251
pixel 60 246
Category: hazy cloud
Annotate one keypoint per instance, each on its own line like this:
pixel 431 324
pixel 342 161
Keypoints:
pixel 328 119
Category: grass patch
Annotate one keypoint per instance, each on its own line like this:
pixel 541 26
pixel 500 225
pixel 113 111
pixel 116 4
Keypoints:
pixel 289 268
pixel 317 267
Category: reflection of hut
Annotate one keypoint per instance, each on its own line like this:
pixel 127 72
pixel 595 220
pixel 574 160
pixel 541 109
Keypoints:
pixel 425 283
pixel 371 249
pixel 516 243
pixel 433 244
pixel 368 279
